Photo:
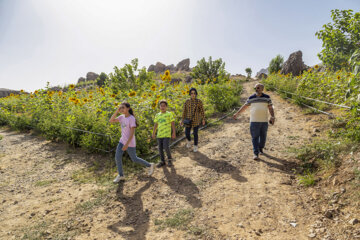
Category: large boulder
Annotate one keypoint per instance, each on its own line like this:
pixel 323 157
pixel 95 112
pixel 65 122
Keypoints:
pixel 183 65
pixel 151 68
pixel 90 76
pixel 262 74
pixel 81 79
pixel 294 64
pixel 6 92
pixel 159 67
pixel 171 68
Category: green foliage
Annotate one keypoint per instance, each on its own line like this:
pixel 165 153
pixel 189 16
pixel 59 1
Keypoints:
pixel 307 179
pixel 126 77
pixel 276 64
pixel 101 80
pixel 340 87
pixel 56 115
pixel 210 71
pixel 248 72
pixel 340 38
pixel 354 62
pixel 223 97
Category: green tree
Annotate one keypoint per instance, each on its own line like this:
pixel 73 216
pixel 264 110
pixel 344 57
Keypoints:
pixel 127 78
pixel 210 71
pixel 248 72
pixel 101 79
pixel 276 64
pixel 340 38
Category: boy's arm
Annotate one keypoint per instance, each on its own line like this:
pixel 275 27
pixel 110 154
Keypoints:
pixel 173 130
pixel 154 130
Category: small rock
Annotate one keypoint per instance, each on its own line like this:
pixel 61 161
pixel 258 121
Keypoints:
pixel 335 181
pixel 312 235
pixel 315 130
pixel 240 225
pixel 329 214
pixel 354 221
pixel 293 224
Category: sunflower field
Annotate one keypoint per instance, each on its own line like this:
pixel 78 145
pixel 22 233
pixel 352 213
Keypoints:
pixel 341 87
pixel 56 114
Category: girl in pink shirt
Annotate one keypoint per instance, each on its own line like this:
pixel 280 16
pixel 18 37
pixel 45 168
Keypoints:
pixel 127 141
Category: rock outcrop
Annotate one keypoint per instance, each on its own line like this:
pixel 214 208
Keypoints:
pixel 90 76
pixel 6 92
pixel 183 65
pixel 81 79
pixel 294 64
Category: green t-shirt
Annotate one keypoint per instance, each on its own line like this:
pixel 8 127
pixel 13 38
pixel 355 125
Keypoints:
pixel 164 124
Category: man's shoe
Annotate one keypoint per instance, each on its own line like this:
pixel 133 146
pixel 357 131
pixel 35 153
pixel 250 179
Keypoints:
pixel 118 179
pixel 151 169
pixel 256 157
pixel 170 164
pixel 261 151
pixel 160 164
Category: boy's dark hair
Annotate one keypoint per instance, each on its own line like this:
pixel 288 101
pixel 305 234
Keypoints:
pixel 163 101
pixel 193 89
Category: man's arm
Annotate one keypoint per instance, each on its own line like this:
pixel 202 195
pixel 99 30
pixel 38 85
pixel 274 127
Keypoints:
pixel 154 130
pixel 242 109
pixel 271 110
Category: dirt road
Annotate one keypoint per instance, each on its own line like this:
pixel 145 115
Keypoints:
pixel 220 192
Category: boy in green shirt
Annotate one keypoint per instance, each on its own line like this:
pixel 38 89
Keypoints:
pixel 164 123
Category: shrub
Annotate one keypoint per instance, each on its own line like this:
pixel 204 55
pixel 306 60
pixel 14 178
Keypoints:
pixel 248 72
pixel 210 71
pixel 276 64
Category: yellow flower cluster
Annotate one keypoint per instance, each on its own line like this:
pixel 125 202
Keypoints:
pixel 166 77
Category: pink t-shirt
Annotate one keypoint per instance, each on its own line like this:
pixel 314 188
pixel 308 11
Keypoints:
pixel 126 124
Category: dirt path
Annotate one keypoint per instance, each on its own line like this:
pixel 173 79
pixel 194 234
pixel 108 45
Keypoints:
pixel 217 193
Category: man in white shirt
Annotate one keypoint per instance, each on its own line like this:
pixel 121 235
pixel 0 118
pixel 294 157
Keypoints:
pixel 259 103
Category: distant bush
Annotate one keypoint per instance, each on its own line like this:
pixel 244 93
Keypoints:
pixel 248 72
pixel 210 71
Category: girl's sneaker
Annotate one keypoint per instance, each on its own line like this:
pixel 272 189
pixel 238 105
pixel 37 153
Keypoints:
pixel 195 148
pixel 188 144
pixel 151 169
pixel 118 179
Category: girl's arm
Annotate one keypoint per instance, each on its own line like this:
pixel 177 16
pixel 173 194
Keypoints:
pixel 132 133
pixel 113 117
pixel 154 130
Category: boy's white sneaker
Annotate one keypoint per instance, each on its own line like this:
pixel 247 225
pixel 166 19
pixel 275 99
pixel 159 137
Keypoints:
pixel 118 179
pixel 151 169
pixel 188 144
pixel 195 148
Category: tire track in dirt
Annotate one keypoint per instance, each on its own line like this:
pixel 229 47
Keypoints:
pixel 230 196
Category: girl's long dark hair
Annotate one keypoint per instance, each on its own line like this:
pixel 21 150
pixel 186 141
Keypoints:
pixel 131 111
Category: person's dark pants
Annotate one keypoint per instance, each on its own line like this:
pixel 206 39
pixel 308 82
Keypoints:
pixel 164 143
pixel 196 136
pixel 258 132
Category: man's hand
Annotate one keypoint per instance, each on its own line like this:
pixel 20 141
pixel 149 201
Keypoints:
pixel 272 120
pixel 173 136
pixel 125 147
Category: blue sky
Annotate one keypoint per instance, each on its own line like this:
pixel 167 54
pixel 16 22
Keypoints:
pixel 59 41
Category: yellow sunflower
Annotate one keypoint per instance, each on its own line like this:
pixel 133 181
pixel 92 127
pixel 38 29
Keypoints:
pixel 153 87
pixel 338 77
pixel 71 86
pixel 22 91
pixel 31 96
pixel 36 92
pixel 11 94
pixel 132 94
pixel 113 95
pixel 316 66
